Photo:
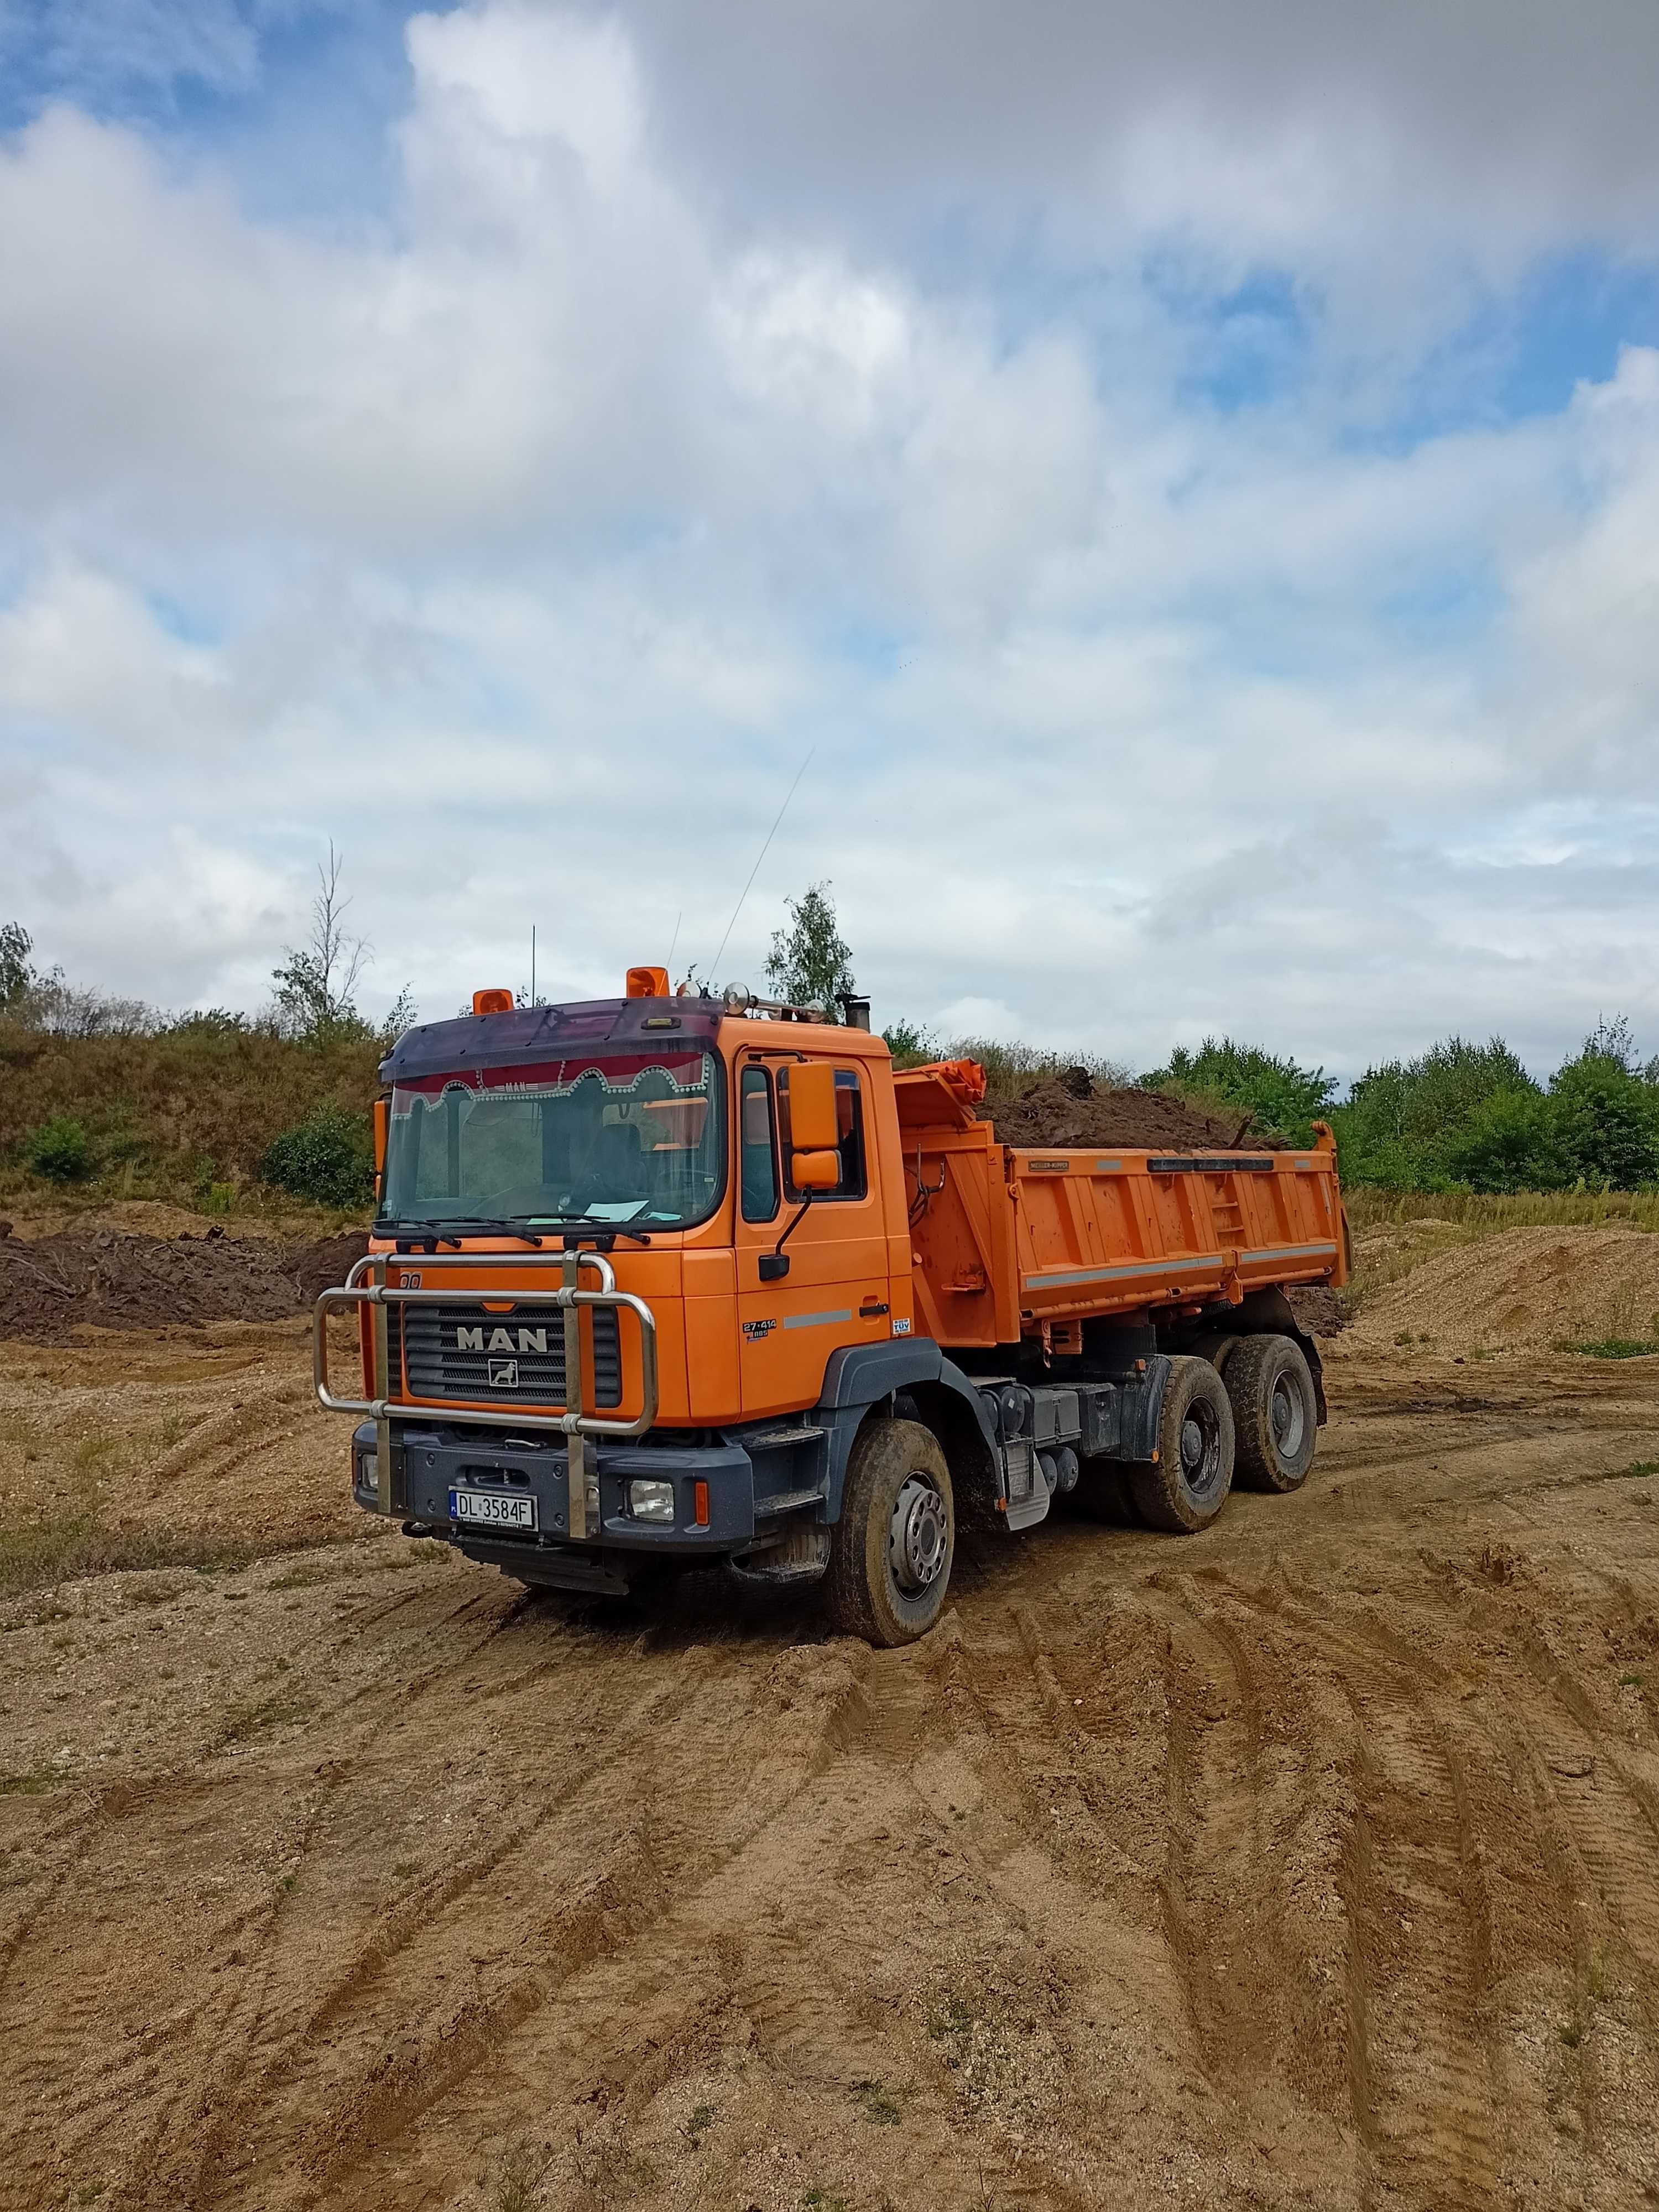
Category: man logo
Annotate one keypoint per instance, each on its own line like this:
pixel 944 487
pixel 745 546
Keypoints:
pixel 504 1374
pixel 502 1339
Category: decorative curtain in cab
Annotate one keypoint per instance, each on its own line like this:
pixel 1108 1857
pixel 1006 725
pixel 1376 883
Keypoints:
pixel 623 1137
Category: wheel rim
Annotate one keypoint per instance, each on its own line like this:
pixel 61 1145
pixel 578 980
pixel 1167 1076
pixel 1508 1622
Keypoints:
pixel 1288 1416
pixel 919 1535
pixel 1200 1449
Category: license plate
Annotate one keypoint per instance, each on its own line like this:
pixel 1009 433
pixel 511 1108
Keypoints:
pixel 495 1509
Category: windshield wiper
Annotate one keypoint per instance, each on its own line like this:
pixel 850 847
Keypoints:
pixel 444 1232
pixel 589 1226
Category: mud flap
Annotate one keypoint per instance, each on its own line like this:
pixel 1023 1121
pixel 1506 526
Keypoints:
pixel 1027 1494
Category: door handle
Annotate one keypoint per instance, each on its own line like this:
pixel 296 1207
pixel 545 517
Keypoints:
pixel 871 1308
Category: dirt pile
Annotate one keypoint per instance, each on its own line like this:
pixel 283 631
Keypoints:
pixel 1060 1110
pixel 317 1267
pixel 1527 1290
pixel 52 1286
pixel 1317 1308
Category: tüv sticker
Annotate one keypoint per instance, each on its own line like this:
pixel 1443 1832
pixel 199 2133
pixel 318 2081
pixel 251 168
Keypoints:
pixel 901 1327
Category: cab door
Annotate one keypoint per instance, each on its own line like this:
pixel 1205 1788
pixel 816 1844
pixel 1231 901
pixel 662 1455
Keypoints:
pixel 835 1291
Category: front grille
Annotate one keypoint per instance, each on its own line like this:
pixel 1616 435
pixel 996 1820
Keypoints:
pixel 446 1357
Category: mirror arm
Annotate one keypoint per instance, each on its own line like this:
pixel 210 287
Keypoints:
pixel 772 1266
pixel 800 1217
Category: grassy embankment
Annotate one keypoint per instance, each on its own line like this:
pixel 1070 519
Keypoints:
pixel 183 1115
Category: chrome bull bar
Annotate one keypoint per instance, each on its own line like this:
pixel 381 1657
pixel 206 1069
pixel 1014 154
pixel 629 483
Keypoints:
pixel 367 1285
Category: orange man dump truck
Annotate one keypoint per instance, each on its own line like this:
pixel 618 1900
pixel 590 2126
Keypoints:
pixel 660 1281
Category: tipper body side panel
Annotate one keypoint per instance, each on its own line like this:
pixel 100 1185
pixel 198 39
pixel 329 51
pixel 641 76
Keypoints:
pixel 1006 1240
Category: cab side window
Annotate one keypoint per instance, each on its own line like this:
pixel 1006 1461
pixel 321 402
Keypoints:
pixel 849 1115
pixel 756 1146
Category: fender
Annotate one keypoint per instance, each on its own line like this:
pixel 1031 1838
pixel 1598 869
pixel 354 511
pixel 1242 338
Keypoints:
pixel 1271 1311
pixel 859 1375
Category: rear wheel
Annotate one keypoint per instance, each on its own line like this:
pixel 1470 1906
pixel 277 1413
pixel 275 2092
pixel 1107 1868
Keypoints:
pixel 1187 1486
pixel 891 1550
pixel 1275 1412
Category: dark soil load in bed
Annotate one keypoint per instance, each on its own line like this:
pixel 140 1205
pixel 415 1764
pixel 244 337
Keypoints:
pixel 1068 1109
pixel 50 1286
pixel 1063 1109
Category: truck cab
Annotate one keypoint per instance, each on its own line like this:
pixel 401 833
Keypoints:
pixel 643 1292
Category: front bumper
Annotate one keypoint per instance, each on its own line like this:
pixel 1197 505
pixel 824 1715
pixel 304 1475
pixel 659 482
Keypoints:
pixel 428 1463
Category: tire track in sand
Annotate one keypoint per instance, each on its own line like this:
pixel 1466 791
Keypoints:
pixel 1418 1934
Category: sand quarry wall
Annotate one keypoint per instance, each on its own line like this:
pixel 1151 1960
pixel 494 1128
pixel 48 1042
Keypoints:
pixel 1525 1289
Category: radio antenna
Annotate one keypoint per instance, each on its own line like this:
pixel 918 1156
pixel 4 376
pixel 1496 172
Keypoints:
pixel 673 941
pixel 532 963
pixel 755 871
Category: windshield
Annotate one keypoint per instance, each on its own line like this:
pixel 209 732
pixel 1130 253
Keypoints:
pixel 634 1137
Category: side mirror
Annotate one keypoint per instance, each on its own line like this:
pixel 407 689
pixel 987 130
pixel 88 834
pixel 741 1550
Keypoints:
pixel 814 1121
pixel 813 1171
pixel 382 1126
pixel 771 1266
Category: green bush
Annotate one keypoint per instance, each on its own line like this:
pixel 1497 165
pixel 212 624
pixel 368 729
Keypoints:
pixel 1404 1119
pixel 1607 1118
pixel 1510 1142
pixel 910 1044
pixel 1285 1099
pixel 329 1160
pixel 60 1150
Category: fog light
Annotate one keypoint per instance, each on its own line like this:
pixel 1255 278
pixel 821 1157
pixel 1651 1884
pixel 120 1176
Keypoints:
pixel 368 1472
pixel 652 1501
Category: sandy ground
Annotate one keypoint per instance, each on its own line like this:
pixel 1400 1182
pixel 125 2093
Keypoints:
pixel 1313 1861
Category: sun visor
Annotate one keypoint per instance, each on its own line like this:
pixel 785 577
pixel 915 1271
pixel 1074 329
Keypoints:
pixel 542 1033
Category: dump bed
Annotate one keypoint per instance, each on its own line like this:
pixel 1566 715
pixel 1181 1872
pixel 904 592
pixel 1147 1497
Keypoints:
pixel 1007 1240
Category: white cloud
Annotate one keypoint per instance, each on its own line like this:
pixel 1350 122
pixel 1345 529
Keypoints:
pixel 522 78
pixel 1584 606
pixel 84 653
pixel 525 539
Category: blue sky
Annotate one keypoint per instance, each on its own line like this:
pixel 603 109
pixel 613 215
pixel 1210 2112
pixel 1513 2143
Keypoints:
pixel 1192 473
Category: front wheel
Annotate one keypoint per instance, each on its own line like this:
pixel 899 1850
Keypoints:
pixel 890 1551
pixel 1186 1486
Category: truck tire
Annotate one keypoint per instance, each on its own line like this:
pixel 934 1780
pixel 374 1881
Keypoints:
pixel 1275 1413
pixel 1186 1486
pixel 891 1550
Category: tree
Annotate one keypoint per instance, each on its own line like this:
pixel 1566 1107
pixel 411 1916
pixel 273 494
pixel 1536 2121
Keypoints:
pixel 316 983
pixel 1510 1142
pixel 1615 1041
pixel 1606 1115
pixel 1403 1117
pixel 909 1043
pixel 16 976
pixel 811 962
pixel 51 1003
pixel 1284 1099
pixel 316 986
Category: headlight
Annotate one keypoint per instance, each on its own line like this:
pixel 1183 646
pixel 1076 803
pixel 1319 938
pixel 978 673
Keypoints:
pixel 652 1501
pixel 368 1473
